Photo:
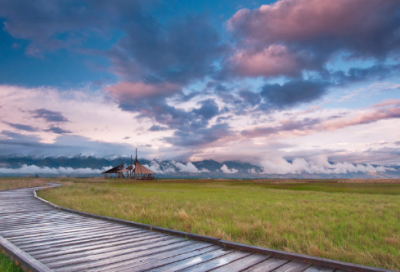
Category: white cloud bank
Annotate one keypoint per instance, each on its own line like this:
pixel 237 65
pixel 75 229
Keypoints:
pixel 156 168
pixel 317 166
pixel 33 169
pixel 170 167
pixel 226 170
pixel 189 167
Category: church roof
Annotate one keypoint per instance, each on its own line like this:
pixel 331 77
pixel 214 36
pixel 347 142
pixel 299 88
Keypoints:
pixel 140 169
pixel 115 169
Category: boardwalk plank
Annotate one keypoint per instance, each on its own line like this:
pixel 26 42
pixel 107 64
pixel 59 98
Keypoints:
pixel 132 249
pixel 319 268
pixel 90 250
pixel 218 262
pixel 106 261
pixel 192 261
pixel 242 263
pixel 292 267
pixel 159 259
pixel 267 265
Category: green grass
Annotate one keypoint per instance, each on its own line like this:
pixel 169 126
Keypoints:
pixel 334 187
pixel 361 225
pixel 6 265
pixel 15 183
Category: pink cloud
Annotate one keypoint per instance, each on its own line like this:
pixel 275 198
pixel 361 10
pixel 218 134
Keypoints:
pixel 363 118
pixel 272 61
pixel 289 127
pixel 388 102
pixel 290 36
pixel 140 90
pixel 294 20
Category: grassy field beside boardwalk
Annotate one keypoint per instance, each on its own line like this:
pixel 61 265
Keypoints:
pixel 6 265
pixel 357 223
pixel 15 183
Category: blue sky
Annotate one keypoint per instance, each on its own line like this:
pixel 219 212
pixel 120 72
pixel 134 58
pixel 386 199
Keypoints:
pixel 189 80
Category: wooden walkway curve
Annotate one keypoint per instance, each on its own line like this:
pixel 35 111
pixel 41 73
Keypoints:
pixel 41 237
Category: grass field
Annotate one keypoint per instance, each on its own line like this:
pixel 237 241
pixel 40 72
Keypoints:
pixel 353 222
pixel 15 183
pixel 6 265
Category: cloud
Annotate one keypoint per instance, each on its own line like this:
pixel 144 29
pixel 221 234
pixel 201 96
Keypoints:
pixel 374 72
pixel 49 116
pixel 275 60
pixel 293 92
pixel 15 143
pixel 33 169
pixel 208 109
pixel 318 166
pixel 281 39
pixel 42 22
pixel 250 97
pixel 189 167
pixel 381 111
pixel 199 137
pixel 57 130
pixel 157 128
pixel 131 94
pixel 226 170
pixel 22 127
pixel 179 52
pixel 160 169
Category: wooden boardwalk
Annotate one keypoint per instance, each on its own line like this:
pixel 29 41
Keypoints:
pixel 42 238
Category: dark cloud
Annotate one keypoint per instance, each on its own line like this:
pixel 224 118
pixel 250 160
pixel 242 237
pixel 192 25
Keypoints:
pixel 397 143
pixel 250 97
pixel 64 24
pixel 126 138
pixel 293 92
pixel 178 52
pixel 288 125
pixel 208 109
pixel 292 35
pixel 375 72
pixel 16 143
pixel 49 116
pixel 22 127
pixel 157 128
pixel 199 137
pixel 57 130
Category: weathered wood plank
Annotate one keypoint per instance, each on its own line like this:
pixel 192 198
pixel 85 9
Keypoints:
pixel 267 265
pixel 192 261
pixel 319 268
pixel 121 258
pixel 24 240
pixel 116 255
pixel 79 252
pixel 159 259
pixel 218 262
pixel 101 237
pixel 243 263
pixel 292 267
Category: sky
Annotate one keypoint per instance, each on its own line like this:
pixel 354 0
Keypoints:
pixel 259 81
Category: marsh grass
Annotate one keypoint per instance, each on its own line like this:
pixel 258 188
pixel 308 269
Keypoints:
pixel 6 265
pixel 15 183
pixel 360 225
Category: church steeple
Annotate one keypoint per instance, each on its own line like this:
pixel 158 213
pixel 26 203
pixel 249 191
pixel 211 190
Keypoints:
pixel 136 160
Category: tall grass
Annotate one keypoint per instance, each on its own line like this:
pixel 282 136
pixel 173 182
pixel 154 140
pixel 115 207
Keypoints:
pixel 362 228
pixel 15 183
pixel 6 265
